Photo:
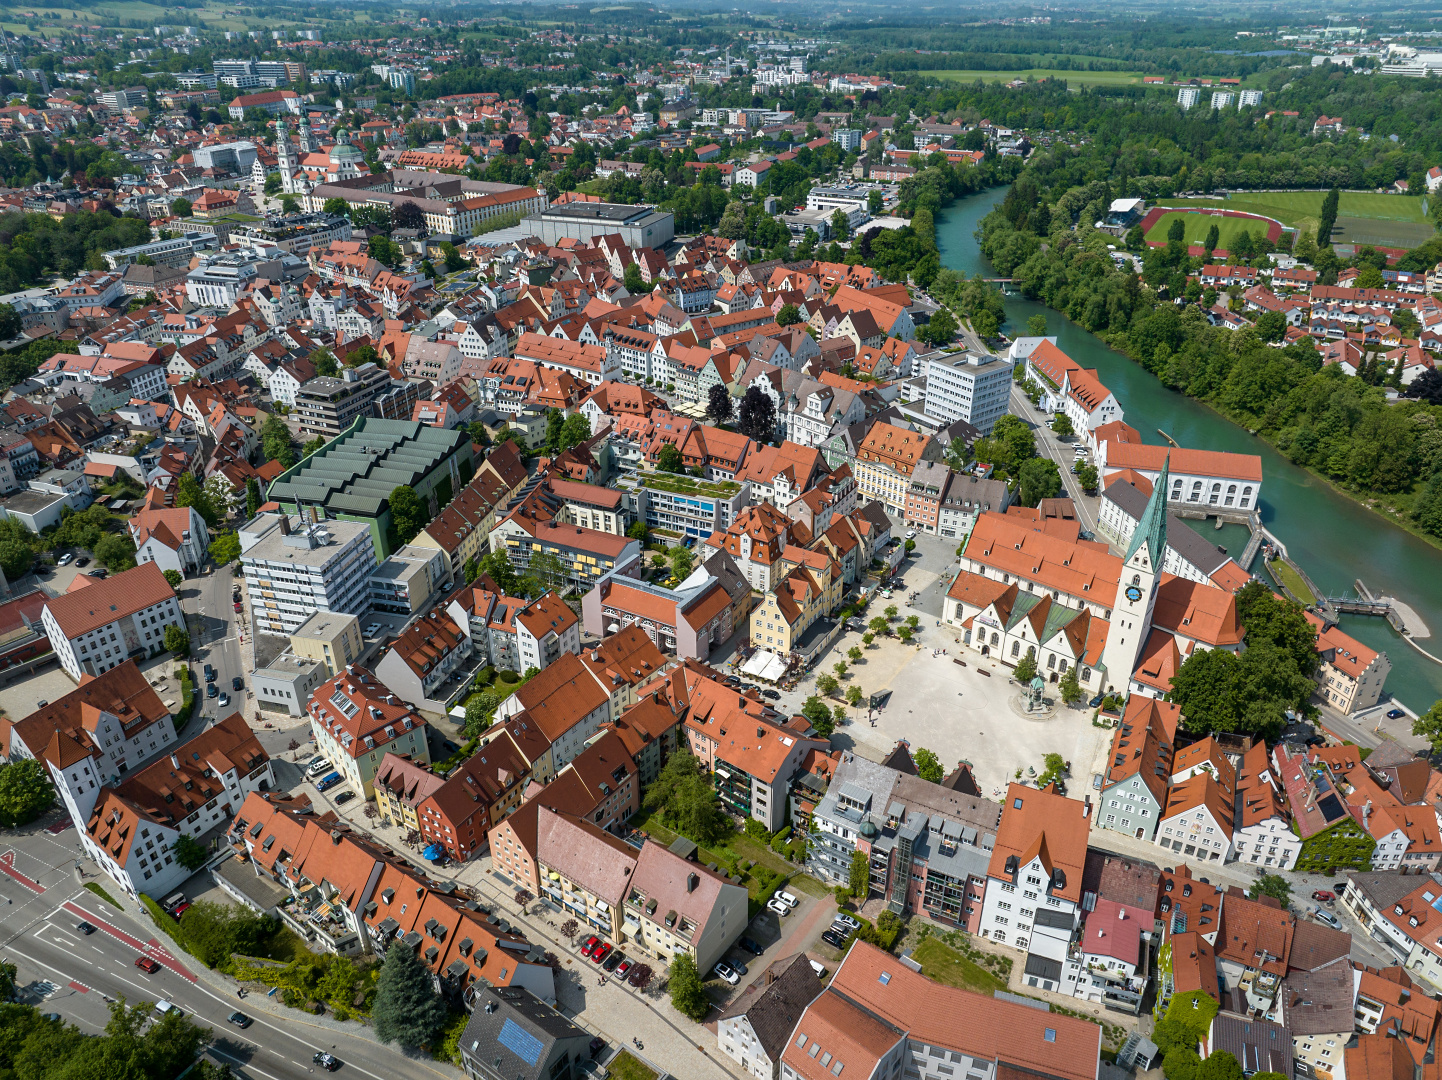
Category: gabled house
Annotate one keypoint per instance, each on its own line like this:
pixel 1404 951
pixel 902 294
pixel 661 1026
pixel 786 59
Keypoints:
pixel 1134 791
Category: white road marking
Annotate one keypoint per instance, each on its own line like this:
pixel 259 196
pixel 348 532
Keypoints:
pixel 242 1063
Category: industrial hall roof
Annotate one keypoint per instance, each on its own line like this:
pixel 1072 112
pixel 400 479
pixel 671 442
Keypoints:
pixel 356 472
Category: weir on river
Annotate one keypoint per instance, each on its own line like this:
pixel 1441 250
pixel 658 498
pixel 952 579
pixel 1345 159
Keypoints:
pixel 1333 537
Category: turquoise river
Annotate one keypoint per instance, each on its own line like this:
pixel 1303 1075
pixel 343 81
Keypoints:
pixel 1334 539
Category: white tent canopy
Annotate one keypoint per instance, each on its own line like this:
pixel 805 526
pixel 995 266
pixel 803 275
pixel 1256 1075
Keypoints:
pixel 765 666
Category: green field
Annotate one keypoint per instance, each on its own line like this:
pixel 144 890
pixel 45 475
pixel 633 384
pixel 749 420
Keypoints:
pixel 1197 226
pixel 943 964
pixel 1073 78
pixel 1295 207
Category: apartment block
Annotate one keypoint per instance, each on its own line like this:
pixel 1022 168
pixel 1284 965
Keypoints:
pixel 293 569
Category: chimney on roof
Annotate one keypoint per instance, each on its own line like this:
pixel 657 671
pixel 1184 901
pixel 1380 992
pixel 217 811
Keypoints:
pixel 692 880
pixel 335 836
pixel 284 524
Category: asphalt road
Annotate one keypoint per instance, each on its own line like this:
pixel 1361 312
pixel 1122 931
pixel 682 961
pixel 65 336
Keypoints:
pixel 66 972
pixel 215 631
pixel 1063 453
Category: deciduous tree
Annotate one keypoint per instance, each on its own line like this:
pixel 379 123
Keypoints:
pixel 687 994
pixel 928 766
pixel 25 792
pixel 718 404
pixel 408 514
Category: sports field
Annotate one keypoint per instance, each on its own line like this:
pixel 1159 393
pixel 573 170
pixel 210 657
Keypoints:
pixel 1073 78
pixel 1363 217
pixel 1198 225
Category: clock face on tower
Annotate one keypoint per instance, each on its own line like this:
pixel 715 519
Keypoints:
pixel 1133 593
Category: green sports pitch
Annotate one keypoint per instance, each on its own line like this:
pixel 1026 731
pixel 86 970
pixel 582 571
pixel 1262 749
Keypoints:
pixel 1197 225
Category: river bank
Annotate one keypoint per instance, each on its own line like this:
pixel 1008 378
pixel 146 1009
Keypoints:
pixel 1336 539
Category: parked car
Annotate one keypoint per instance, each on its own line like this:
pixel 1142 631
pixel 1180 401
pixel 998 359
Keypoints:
pixel 726 974
pixel 590 945
pixel 1395 714
pixel 846 920
pixel 1095 703
pixel 328 781
pixel 101 573
pixel 239 1019
pixel 624 967
pixel 209 673
pixel 738 966
pixel 1327 917
pixel 832 938
pixel 344 797
pixel 65 559
pixel 778 907
pixel 601 952
pixel 614 960
pixel 318 765
pixel 328 1062
pixel 771 695
pixel 85 928
pixel 1324 895
pixel 1339 887
pixel 165 1008
pixel 751 946
pixel 224 700
pixel 144 963
pixel 785 897
pixel 237 605
pixel 237 683
pixel 84 560
pixel 211 690
pixel 179 910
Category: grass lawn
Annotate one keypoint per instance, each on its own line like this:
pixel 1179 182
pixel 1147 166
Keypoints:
pixel 624 1066
pixel 1363 217
pixel 98 891
pixel 739 846
pixel 941 962
pixel 1285 575
pixel 1198 225
pixel 1073 78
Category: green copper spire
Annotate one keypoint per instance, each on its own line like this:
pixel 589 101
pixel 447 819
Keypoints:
pixel 1152 528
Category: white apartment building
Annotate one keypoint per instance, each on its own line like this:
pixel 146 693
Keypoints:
pixel 968 387
pixel 293 570
pixel 100 626
pixel 130 829
pixel 1188 96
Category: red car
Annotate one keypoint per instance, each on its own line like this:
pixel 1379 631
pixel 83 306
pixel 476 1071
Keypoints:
pixel 591 943
pixel 1324 895
pixel 144 963
pixel 601 953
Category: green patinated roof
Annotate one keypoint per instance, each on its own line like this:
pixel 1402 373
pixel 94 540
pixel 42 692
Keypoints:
pixel 1024 603
pixel 1056 618
pixel 1152 528
pixel 356 471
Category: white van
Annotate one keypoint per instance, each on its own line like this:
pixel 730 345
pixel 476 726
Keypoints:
pixel 165 1008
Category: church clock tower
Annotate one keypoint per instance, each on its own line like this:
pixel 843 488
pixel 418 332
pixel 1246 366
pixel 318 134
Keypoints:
pixel 283 159
pixel 1136 598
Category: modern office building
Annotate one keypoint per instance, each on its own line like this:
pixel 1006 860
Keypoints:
pixel 327 406
pixel 294 568
pixel 968 387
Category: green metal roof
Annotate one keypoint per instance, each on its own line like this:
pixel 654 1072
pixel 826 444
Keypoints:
pixel 357 470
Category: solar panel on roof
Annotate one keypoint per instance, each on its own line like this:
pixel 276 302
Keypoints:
pixel 520 1042
pixel 1330 806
